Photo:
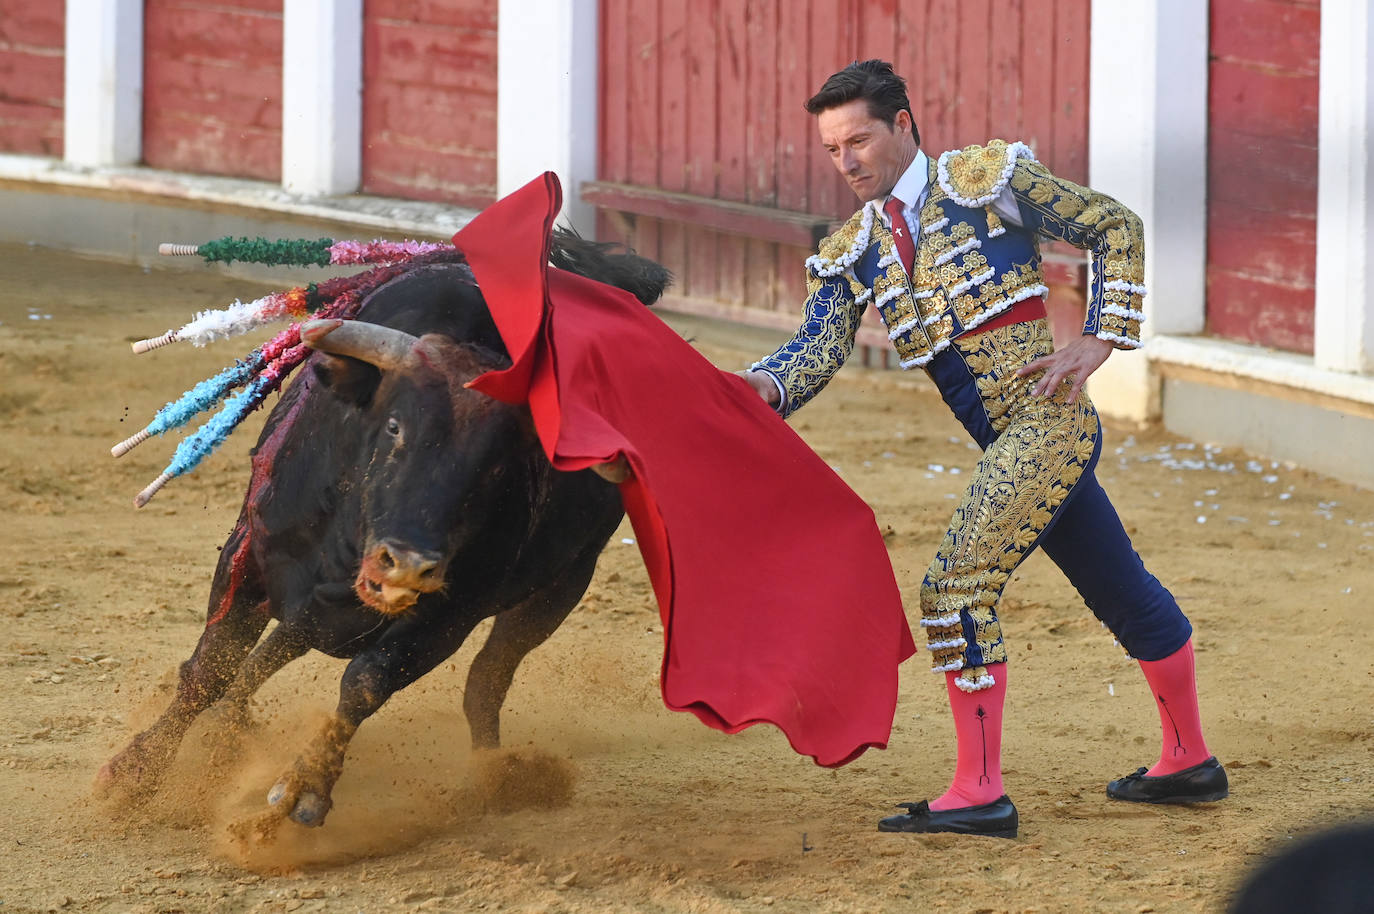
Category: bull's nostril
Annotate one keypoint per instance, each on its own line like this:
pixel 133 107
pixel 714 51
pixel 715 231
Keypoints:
pixel 384 558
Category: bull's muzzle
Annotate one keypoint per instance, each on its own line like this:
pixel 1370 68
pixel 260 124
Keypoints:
pixel 393 576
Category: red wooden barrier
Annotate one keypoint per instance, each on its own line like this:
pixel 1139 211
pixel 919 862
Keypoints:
pixel 212 86
pixel 429 100
pixel 1262 171
pixel 705 99
pixel 31 59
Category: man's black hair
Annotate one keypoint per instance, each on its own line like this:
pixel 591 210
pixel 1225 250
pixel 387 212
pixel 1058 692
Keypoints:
pixel 875 82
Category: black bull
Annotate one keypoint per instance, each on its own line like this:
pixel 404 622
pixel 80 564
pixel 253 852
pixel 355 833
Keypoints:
pixel 390 510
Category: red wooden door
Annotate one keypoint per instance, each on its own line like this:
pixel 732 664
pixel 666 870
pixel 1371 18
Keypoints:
pixel 31 61
pixel 212 86
pixel 1262 171
pixel 429 100
pixel 705 99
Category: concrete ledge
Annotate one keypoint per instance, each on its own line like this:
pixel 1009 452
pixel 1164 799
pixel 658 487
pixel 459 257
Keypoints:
pixel 431 220
pixel 124 213
pixel 1328 441
pixel 1275 404
pixel 1282 374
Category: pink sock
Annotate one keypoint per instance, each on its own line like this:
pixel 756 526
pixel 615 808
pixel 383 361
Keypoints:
pixel 1174 685
pixel 978 727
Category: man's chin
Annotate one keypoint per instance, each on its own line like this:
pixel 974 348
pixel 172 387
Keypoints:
pixel 866 191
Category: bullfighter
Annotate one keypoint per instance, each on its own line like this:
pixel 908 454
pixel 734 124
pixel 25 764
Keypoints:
pixel 947 250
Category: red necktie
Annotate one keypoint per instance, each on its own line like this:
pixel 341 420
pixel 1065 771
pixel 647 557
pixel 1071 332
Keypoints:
pixel 906 249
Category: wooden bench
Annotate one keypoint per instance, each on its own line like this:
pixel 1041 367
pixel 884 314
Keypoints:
pixel 765 223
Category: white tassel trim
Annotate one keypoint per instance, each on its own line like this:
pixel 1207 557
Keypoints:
pixel 922 360
pixel 903 327
pixel 945 645
pixel 972 281
pixel 949 667
pixel 825 267
pixel 886 261
pixel 1117 338
pixel 887 296
pixel 947 256
pixel 1014 151
pixel 982 682
pixel 935 226
pixel 1000 230
pixel 1017 298
pixel 1129 313
pixel 863 296
pixel 941 621
pixel 934 318
pixel 924 293
pixel 1121 285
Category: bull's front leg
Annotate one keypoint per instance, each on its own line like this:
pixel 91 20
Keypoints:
pixel 138 769
pixel 305 793
pixel 238 614
pixel 411 648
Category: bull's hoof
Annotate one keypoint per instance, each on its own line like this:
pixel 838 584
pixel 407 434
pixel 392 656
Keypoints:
pixel 306 807
pixel 109 784
pixel 131 775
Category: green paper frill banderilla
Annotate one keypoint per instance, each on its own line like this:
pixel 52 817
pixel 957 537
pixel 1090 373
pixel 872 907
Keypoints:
pixel 296 252
pixel 304 252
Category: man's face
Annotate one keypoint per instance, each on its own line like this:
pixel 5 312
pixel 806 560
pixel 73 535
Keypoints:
pixel 870 154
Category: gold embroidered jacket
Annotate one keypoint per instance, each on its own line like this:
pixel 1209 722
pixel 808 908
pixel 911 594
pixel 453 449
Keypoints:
pixel 969 266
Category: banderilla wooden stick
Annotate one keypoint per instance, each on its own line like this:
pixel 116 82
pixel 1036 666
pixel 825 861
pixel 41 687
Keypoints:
pixel 142 498
pixel 178 250
pixel 156 342
pixel 128 444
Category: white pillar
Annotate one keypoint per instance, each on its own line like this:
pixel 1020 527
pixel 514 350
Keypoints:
pixel 322 102
pixel 1345 189
pixel 1147 146
pixel 102 115
pixel 546 106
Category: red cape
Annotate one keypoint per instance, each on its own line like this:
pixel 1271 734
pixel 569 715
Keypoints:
pixel 774 586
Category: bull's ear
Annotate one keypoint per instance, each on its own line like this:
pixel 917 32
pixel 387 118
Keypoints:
pixel 351 380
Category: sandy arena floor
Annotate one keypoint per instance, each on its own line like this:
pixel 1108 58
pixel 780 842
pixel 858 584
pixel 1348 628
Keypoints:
pixel 99 604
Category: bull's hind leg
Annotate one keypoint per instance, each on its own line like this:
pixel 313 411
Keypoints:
pixel 515 633
pixel 411 647
pixel 238 614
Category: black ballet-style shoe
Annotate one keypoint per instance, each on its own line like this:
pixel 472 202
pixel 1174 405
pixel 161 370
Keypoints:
pixel 1203 783
pixel 997 819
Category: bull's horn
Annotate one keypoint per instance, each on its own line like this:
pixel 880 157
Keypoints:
pixel 384 347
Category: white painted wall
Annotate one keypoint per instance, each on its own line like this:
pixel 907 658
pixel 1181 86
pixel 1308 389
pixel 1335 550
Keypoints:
pixel 103 82
pixel 547 98
pixel 1345 189
pixel 322 101
pixel 1147 146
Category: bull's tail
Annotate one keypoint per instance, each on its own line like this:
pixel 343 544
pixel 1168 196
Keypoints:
pixel 613 264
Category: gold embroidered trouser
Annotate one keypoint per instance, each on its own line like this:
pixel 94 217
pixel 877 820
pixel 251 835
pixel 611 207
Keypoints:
pixel 1035 450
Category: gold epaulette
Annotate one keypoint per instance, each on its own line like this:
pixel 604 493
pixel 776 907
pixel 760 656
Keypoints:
pixel 838 251
pixel 975 175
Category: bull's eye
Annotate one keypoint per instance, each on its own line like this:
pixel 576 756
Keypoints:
pixel 393 428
